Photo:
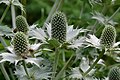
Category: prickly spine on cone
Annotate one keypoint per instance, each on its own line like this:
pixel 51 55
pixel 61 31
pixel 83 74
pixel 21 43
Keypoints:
pixel 59 23
pixel 108 36
pixel 20 44
pixel 114 73
pixel 21 24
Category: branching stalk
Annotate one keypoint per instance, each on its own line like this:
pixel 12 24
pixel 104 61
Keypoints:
pixel 54 8
pixel 57 53
pixel 25 68
pixel 13 16
pixel 6 10
pixel 92 66
pixel 5 45
pixel 65 66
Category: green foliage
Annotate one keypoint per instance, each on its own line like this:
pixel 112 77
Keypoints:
pixel 59 23
pixel 79 57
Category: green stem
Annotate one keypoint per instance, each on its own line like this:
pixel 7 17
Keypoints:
pixel 64 74
pixel 65 66
pixel 11 73
pixel 25 68
pixel 114 14
pixel 2 64
pixel 13 16
pixel 4 71
pixel 54 8
pixel 24 4
pixel 3 16
pixel 92 66
pixel 55 63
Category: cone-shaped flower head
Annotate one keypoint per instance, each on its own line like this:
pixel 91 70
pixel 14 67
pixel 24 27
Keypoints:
pixel 108 36
pixel 59 24
pixel 21 24
pixel 20 43
pixel 114 73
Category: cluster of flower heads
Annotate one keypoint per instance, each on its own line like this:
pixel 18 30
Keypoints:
pixel 57 29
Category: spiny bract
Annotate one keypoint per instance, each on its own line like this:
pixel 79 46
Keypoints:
pixel 114 73
pixel 21 24
pixel 108 36
pixel 20 43
pixel 59 24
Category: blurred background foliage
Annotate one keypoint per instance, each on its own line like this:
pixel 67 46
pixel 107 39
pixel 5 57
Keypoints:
pixel 79 13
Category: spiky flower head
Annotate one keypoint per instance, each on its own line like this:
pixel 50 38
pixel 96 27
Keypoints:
pixel 21 24
pixel 108 36
pixel 114 73
pixel 59 23
pixel 20 43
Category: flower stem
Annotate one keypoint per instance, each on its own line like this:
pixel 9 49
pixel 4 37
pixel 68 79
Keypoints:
pixel 114 14
pixel 13 16
pixel 55 63
pixel 65 66
pixel 6 10
pixel 4 71
pixel 92 66
pixel 2 64
pixel 54 8
pixel 24 4
pixel 63 54
pixel 12 74
pixel 25 68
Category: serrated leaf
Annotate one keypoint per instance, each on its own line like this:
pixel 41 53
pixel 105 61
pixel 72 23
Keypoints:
pixel 5 30
pixel 39 34
pixel 35 61
pixel 76 73
pixel 77 43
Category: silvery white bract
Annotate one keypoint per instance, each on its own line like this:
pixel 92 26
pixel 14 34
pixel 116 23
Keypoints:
pixel 5 30
pixel 93 41
pixel 13 2
pixel 75 73
pixel 13 58
pixel 45 35
pixel 103 19
pixel 34 72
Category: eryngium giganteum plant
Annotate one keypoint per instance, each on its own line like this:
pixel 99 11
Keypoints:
pixel 20 43
pixel 21 24
pixel 59 23
pixel 114 73
pixel 108 36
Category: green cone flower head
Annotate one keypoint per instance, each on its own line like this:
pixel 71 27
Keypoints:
pixel 114 73
pixel 59 23
pixel 108 36
pixel 20 43
pixel 21 24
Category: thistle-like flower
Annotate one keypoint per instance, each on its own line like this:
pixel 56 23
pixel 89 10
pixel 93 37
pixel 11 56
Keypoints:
pixel 59 30
pixel 106 40
pixel 108 36
pixel 58 24
pixel 114 73
pixel 20 44
pixel 21 24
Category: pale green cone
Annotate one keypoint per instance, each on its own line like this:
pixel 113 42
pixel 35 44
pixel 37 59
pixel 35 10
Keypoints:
pixel 114 73
pixel 20 43
pixel 21 24
pixel 59 23
pixel 108 36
